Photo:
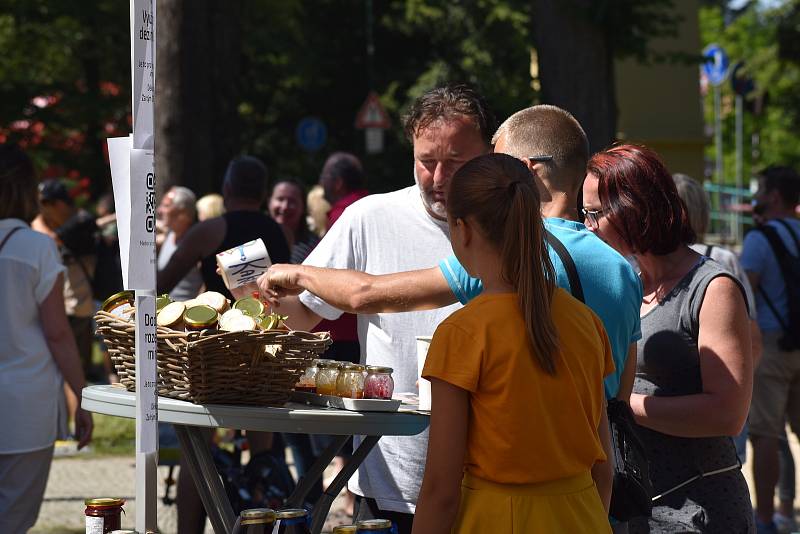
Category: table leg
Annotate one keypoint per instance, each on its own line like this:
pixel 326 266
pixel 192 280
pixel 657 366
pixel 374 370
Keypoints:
pixel 197 458
pixel 315 472
pixel 323 506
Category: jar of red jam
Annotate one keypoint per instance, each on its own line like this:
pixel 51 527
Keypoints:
pixel 103 515
pixel 379 383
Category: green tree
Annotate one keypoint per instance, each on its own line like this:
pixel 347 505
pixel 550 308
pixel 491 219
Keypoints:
pixel 62 75
pixel 765 39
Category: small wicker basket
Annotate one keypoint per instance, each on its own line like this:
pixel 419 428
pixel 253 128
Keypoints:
pixel 246 368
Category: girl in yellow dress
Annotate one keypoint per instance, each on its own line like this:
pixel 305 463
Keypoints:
pixel 518 435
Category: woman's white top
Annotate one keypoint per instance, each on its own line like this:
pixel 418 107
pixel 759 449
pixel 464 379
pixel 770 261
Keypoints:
pixel 31 393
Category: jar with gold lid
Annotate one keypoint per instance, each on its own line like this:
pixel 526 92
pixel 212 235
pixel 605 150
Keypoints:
pixel 257 521
pixel 103 515
pixel 325 379
pixel 373 526
pixel 122 305
pixel 379 383
pixel 344 529
pixel 250 306
pixel 350 382
pixel 200 317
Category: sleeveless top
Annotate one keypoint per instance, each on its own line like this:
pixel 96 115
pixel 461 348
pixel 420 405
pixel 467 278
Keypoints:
pixel 668 364
pixel 241 227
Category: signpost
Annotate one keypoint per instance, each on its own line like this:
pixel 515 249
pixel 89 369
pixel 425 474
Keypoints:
pixel 133 177
pixel 311 134
pixel 715 67
pixel 742 86
pixel 373 119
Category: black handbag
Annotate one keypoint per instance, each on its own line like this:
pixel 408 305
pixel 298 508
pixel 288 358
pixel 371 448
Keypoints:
pixel 632 491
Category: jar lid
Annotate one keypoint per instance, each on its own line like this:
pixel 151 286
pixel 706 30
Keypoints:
pixel 291 513
pixel 118 298
pixel 353 367
pixel 378 369
pixel 200 316
pixel 104 501
pixel 374 524
pixel 258 516
pixel 249 306
pixel 344 529
pixel 162 301
pixel 327 364
pixel 123 532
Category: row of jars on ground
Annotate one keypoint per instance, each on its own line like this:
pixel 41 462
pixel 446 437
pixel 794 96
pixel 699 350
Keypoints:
pixel 329 377
pixel 295 521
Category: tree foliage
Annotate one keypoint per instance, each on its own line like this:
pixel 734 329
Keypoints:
pixel 761 38
pixel 298 59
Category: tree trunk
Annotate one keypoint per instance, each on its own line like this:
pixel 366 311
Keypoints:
pixel 198 61
pixel 576 67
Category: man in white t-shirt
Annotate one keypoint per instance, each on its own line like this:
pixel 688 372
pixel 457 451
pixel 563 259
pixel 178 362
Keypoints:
pixel 393 232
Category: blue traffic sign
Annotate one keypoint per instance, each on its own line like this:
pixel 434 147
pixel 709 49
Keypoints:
pixel 716 63
pixel 311 134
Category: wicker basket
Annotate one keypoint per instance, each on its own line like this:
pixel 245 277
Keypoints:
pixel 247 368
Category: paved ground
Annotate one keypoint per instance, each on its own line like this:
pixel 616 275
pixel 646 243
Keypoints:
pixel 72 479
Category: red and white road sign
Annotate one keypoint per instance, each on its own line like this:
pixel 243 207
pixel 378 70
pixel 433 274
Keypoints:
pixel 372 114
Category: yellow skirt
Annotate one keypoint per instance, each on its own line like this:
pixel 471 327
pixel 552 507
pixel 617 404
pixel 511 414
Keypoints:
pixel 570 505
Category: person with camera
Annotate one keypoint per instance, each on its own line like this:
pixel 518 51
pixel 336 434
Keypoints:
pixel 766 251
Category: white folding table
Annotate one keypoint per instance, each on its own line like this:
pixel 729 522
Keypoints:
pixel 188 418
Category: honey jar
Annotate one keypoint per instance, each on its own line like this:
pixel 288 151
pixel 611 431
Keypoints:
pixel 350 382
pixel 327 374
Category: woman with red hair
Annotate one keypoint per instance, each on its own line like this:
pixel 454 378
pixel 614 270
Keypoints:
pixel 694 367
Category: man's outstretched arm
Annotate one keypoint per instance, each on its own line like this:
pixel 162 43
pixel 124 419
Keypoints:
pixel 357 292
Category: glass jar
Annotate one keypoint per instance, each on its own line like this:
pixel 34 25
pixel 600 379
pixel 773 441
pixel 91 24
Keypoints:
pixel 325 379
pixel 293 521
pixel 250 306
pixel 257 521
pixel 350 382
pixel 200 317
pixel 374 526
pixel 344 529
pixel 122 305
pixel 307 382
pixel 103 515
pixel 379 383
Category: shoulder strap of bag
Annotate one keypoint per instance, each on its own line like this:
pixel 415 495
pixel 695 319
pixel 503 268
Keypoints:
pixel 572 272
pixel 8 235
pixel 709 248
pixel 791 233
pixel 779 249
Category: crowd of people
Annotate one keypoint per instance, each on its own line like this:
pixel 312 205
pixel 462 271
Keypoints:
pixel 553 282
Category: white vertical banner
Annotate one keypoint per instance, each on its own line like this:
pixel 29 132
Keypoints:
pixel 141 266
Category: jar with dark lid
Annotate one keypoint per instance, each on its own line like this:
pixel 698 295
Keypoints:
pixel 379 383
pixel 257 521
pixel 372 526
pixel 200 317
pixel 293 521
pixel 103 515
